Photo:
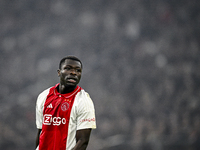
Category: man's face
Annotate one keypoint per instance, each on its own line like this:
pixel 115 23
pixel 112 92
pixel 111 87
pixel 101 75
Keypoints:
pixel 70 72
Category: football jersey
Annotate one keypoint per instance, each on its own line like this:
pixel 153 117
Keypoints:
pixel 61 115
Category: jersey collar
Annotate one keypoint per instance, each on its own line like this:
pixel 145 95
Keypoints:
pixel 67 95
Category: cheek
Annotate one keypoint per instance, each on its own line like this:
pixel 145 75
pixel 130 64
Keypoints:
pixel 79 77
pixel 63 75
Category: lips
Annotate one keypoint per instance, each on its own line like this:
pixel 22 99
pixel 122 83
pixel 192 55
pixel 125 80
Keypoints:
pixel 72 80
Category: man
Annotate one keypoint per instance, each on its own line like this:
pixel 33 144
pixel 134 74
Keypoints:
pixel 65 113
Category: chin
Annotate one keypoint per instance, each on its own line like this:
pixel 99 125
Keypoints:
pixel 71 85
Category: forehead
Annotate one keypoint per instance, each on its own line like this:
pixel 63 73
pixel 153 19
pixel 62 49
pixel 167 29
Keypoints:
pixel 70 62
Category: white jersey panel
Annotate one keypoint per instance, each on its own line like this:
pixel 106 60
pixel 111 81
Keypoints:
pixel 82 117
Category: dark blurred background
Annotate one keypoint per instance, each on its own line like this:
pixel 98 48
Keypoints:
pixel 141 68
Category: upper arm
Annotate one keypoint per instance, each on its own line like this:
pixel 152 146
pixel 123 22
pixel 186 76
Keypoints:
pixel 39 108
pixel 82 139
pixel 85 113
pixel 37 137
pixel 83 134
pixel 85 121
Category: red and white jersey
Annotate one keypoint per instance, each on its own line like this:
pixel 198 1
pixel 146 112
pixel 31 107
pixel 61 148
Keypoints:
pixel 61 115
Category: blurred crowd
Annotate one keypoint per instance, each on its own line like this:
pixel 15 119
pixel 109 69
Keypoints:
pixel 140 66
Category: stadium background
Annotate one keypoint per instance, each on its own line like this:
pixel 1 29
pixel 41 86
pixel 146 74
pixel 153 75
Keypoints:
pixel 141 67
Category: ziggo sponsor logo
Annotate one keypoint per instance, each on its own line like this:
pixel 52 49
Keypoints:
pixel 56 121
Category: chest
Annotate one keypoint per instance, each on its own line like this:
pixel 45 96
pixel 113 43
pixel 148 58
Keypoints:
pixel 57 107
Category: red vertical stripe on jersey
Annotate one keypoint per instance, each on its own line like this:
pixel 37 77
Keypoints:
pixel 56 113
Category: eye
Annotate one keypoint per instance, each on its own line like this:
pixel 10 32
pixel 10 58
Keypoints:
pixel 67 68
pixel 78 70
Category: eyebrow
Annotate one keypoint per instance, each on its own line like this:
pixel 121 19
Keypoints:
pixel 73 67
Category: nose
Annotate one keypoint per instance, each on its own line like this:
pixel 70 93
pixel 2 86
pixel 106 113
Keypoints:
pixel 73 71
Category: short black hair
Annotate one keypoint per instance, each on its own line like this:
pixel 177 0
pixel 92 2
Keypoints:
pixel 69 57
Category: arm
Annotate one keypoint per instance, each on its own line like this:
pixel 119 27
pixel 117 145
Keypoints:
pixel 37 137
pixel 82 139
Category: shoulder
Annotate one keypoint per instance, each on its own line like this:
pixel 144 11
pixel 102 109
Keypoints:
pixel 42 96
pixel 84 101
pixel 83 96
pixel 44 93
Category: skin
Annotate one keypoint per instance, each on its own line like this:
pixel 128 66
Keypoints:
pixel 70 75
pixel 70 69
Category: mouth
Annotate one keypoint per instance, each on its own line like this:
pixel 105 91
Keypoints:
pixel 72 80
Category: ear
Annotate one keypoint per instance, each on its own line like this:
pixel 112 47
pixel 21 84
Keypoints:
pixel 58 72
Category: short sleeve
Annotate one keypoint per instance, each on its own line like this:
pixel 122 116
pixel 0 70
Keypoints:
pixel 39 108
pixel 86 113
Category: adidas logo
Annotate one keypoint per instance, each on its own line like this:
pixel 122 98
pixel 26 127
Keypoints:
pixel 50 106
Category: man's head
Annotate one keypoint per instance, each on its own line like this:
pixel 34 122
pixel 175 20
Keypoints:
pixel 70 70
pixel 69 57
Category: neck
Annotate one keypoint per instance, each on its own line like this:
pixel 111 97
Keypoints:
pixel 62 89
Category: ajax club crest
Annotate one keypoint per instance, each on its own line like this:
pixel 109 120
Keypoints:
pixel 64 106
